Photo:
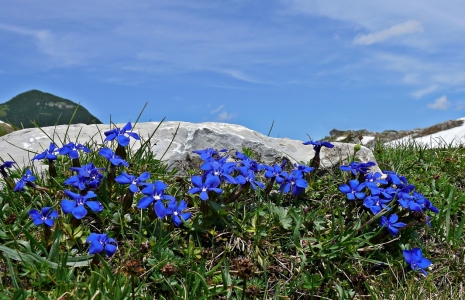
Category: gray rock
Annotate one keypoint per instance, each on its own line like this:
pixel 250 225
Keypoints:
pixel 22 145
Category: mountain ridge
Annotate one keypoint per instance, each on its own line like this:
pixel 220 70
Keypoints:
pixel 44 109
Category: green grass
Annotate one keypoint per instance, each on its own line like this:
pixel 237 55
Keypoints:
pixel 261 246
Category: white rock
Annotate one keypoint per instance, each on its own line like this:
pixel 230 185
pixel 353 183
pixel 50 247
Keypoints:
pixel 24 144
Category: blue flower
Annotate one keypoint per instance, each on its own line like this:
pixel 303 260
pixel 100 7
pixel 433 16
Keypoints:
pixel 27 179
pixel 6 164
pixel 375 204
pixel 177 213
pixel 209 154
pixel 415 259
pixel 46 216
pixel 203 187
pixel 373 180
pixel 318 144
pixel 394 178
pixel 304 168
pixel 408 201
pixel 392 224
pixel 424 202
pixel 353 190
pixel 249 163
pixel 48 154
pixel 358 167
pixel 99 242
pixel 220 168
pixel 155 192
pixel 275 172
pixel 77 205
pixel 115 160
pixel 71 149
pixel 125 178
pixel 88 177
pixel 293 182
pixel 247 176
pixel 119 135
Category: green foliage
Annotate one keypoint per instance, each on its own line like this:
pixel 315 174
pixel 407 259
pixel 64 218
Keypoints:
pixel 316 245
pixel 44 109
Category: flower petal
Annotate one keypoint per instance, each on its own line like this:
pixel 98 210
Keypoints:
pixel 67 206
pixel 79 212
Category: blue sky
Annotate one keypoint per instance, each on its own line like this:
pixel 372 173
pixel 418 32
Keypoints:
pixel 310 66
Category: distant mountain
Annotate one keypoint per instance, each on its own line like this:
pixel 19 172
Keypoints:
pixel 43 109
pixel 452 131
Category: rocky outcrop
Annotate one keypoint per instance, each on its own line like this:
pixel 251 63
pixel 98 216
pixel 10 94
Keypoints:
pixel 173 142
pixel 370 138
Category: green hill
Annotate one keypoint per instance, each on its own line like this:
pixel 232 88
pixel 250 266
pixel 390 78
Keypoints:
pixel 44 109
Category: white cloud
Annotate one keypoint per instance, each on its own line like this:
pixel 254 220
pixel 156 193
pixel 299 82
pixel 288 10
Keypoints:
pixel 420 93
pixel 217 109
pixel 59 48
pixel 440 103
pixel 224 116
pixel 408 27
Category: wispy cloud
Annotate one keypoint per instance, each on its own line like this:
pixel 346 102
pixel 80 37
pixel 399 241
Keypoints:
pixel 217 109
pixel 58 48
pixel 225 116
pixel 408 27
pixel 440 103
pixel 420 93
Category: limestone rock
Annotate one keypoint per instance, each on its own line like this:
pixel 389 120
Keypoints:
pixel 22 145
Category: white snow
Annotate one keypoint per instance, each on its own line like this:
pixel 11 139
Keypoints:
pixel 453 137
pixel 366 139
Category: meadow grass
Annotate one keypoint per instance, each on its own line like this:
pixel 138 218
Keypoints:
pixel 261 245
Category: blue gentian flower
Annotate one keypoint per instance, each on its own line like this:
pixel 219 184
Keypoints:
pixel 387 193
pixel 71 149
pixel 424 203
pixel 318 144
pixel 304 168
pixel 222 170
pixel 45 216
pixel 6 164
pixel 275 172
pixel 248 162
pixel 247 175
pixel 125 178
pixel 293 182
pixel 372 182
pixel 375 203
pixel 392 224
pixel 415 259
pixel 358 167
pixel 177 213
pixel 88 177
pixel 394 178
pixel 27 179
pixel 209 154
pixel 48 154
pixel 203 187
pixel 408 201
pixel 114 159
pixel 119 135
pixel 155 192
pixel 353 190
pixel 76 206
pixel 99 242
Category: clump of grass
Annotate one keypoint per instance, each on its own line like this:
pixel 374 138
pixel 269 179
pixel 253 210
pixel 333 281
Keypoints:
pixel 232 229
